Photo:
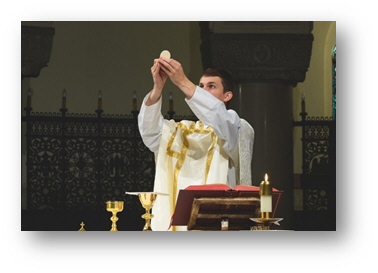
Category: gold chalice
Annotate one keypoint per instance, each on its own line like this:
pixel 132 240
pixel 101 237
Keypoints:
pixel 114 207
pixel 148 200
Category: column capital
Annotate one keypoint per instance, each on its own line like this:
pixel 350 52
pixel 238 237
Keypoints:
pixel 36 45
pixel 279 54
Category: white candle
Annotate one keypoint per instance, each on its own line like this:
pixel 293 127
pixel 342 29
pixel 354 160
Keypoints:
pixel 265 195
pixel 170 102
pixel 99 100
pixel 266 203
pixel 64 95
pixel 28 102
pixel 303 103
pixel 134 101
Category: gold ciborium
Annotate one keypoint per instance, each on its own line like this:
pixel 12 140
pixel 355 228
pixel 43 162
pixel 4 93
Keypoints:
pixel 148 200
pixel 114 207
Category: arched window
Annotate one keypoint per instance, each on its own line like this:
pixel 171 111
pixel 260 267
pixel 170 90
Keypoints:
pixel 334 83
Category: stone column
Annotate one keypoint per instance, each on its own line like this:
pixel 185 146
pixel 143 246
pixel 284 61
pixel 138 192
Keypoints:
pixel 36 45
pixel 267 59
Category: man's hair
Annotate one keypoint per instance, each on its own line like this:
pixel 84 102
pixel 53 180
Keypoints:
pixel 227 81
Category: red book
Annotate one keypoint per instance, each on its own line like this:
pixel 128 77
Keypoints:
pixel 224 187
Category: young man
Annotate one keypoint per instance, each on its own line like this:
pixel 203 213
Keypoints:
pixel 190 153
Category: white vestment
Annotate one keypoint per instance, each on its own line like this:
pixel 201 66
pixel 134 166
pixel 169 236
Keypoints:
pixel 195 153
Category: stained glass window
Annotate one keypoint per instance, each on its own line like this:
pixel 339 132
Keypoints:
pixel 334 83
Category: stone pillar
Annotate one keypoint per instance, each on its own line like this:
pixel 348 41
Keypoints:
pixel 267 59
pixel 36 45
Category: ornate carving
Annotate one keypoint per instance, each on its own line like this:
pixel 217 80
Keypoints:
pixel 316 199
pixel 316 148
pixel 319 192
pixel 319 163
pixel 259 57
pixel 283 27
pixel 80 161
pixel 45 174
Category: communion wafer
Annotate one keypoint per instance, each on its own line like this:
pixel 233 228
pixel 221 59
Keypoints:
pixel 165 54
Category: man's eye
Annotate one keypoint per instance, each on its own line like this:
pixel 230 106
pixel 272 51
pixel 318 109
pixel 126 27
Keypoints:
pixel 212 86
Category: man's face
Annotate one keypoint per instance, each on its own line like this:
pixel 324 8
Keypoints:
pixel 214 86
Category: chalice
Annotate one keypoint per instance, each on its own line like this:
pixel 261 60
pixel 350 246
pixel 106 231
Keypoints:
pixel 114 207
pixel 147 200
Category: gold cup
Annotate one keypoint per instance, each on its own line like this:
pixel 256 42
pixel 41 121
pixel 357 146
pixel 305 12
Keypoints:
pixel 114 207
pixel 148 200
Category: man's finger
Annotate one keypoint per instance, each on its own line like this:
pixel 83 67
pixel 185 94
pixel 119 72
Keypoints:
pixel 164 64
pixel 166 61
pixel 165 69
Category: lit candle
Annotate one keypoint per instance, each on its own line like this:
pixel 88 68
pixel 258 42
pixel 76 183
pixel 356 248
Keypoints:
pixel 170 102
pixel 28 102
pixel 134 101
pixel 265 198
pixel 303 103
pixel 64 95
pixel 99 100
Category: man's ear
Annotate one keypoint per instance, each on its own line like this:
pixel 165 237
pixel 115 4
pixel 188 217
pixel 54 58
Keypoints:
pixel 227 96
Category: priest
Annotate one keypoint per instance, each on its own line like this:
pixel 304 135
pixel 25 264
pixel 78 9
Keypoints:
pixel 187 152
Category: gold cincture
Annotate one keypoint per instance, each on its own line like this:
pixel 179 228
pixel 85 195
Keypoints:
pixel 180 156
pixel 114 207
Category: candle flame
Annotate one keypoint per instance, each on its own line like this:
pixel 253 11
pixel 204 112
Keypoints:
pixel 99 95
pixel 266 177
pixel 64 94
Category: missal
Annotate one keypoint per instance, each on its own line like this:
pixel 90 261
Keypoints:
pixel 224 187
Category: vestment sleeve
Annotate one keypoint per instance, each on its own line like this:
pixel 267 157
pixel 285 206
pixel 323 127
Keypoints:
pixel 150 123
pixel 225 123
